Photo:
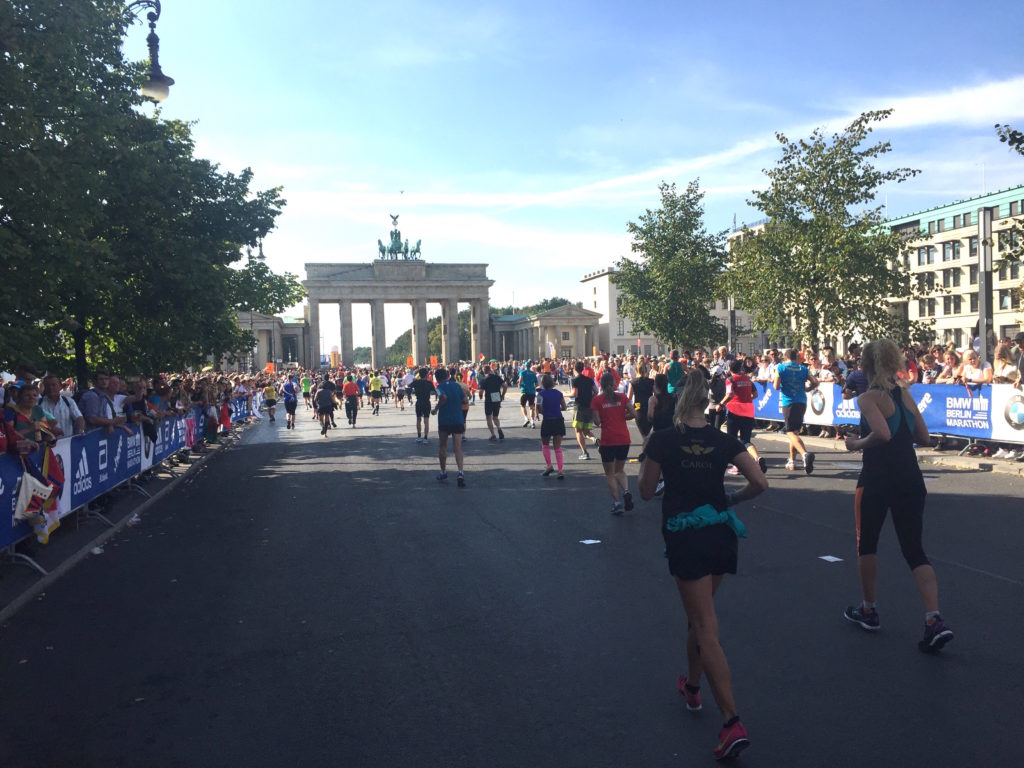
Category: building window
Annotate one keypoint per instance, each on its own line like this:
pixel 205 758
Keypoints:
pixel 956 222
pixel 595 290
pixel 951 251
pixel 950 278
pixel 1009 299
pixel 565 335
pixel 621 328
pixel 926 307
pixel 967 219
pixel 940 225
pixel 1014 208
pixel 1008 239
pixel 974 302
pixel 952 305
pixel 622 349
pixel 1008 269
pixel 926 281
pixel 647 350
pixel 595 305
pixel 972 247
pixel 972 274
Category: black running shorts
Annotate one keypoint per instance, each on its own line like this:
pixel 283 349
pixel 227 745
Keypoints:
pixel 793 416
pixel 694 553
pixel 553 427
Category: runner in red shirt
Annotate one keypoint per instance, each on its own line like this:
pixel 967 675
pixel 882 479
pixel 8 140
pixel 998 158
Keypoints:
pixel 610 412
pixel 351 392
pixel 739 418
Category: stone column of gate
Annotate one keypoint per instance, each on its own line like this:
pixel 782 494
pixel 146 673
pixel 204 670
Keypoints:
pixel 480 332
pixel 379 348
pixel 313 348
pixel 419 332
pixel 450 322
pixel 581 340
pixel 345 316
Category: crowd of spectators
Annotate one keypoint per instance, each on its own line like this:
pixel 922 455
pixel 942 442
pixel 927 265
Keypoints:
pixel 40 408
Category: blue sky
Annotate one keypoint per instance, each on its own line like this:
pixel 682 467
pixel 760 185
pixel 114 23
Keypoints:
pixel 526 135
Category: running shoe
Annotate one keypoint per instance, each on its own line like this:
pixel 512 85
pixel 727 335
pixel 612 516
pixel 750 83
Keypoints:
pixel 419 439
pixel 442 476
pixel 936 635
pixel 1000 454
pixel 617 508
pixel 808 463
pixel 548 471
pixel 597 442
pixel 627 498
pixel 692 697
pixel 763 465
pixel 791 465
pixel 584 456
pixel 460 481
pixel 501 435
pixel 867 619
pixel 526 424
pixel 492 439
pixel 1011 455
pixel 560 475
pixel 533 425
pixel 731 741
pixel 732 470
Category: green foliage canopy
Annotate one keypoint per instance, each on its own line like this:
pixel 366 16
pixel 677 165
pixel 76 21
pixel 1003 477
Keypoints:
pixel 669 291
pixel 825 257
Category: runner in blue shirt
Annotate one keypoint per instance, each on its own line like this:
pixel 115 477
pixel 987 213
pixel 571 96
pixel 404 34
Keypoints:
pixel 528 395
pixel 791 378
pixel 451 420
pixel 290 395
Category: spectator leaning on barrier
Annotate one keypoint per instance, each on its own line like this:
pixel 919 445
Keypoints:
pixel 96 405
pixel 1018 351
pixel 63 409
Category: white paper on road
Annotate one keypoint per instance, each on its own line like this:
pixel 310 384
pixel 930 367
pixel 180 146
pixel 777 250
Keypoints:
pixel 831 559
pixel 847 465
pixel 590 541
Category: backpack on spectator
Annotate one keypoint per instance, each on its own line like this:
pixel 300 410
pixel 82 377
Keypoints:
pixel 717 387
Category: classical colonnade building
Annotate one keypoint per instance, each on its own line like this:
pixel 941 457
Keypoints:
pixel 412 282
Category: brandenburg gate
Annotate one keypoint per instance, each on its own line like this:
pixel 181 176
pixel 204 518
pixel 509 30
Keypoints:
pixel 399 276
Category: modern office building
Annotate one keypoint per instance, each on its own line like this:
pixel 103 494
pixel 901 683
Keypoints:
pixel 949 248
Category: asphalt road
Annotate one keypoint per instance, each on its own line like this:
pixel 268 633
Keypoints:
pixel 326 602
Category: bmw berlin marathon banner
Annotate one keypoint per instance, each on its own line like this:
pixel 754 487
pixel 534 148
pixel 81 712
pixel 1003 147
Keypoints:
pixel 97 462
pixel 979 411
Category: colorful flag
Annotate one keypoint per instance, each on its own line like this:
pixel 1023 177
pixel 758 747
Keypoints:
pixel 53 473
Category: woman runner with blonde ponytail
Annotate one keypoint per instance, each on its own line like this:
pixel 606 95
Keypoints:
pixel 891 479
pixel 700 531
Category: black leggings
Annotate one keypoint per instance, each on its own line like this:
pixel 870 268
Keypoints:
pixel 352 407
pixel 871 504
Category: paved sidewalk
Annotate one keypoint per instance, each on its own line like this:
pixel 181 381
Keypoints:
pixel 926 455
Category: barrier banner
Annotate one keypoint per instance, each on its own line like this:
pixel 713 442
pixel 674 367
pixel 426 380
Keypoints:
pixel 1007 406
pixel 955 409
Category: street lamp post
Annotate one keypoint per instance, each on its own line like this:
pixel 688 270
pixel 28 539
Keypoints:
pixel 157 85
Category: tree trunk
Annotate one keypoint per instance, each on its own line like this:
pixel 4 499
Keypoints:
pixel 81 364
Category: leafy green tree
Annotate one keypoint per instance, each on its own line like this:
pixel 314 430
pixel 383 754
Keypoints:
pixel 542 306
pixel 825 264
pixel 668 292
pixel 117 240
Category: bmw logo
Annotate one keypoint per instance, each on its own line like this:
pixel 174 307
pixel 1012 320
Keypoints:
pixel 1014 412
pixel 817 402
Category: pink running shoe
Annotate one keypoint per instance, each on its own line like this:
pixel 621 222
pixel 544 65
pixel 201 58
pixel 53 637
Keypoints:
pixel 731 741
pixel 692 699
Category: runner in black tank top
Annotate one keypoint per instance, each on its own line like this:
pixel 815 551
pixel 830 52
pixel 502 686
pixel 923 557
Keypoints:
pixel 891 480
